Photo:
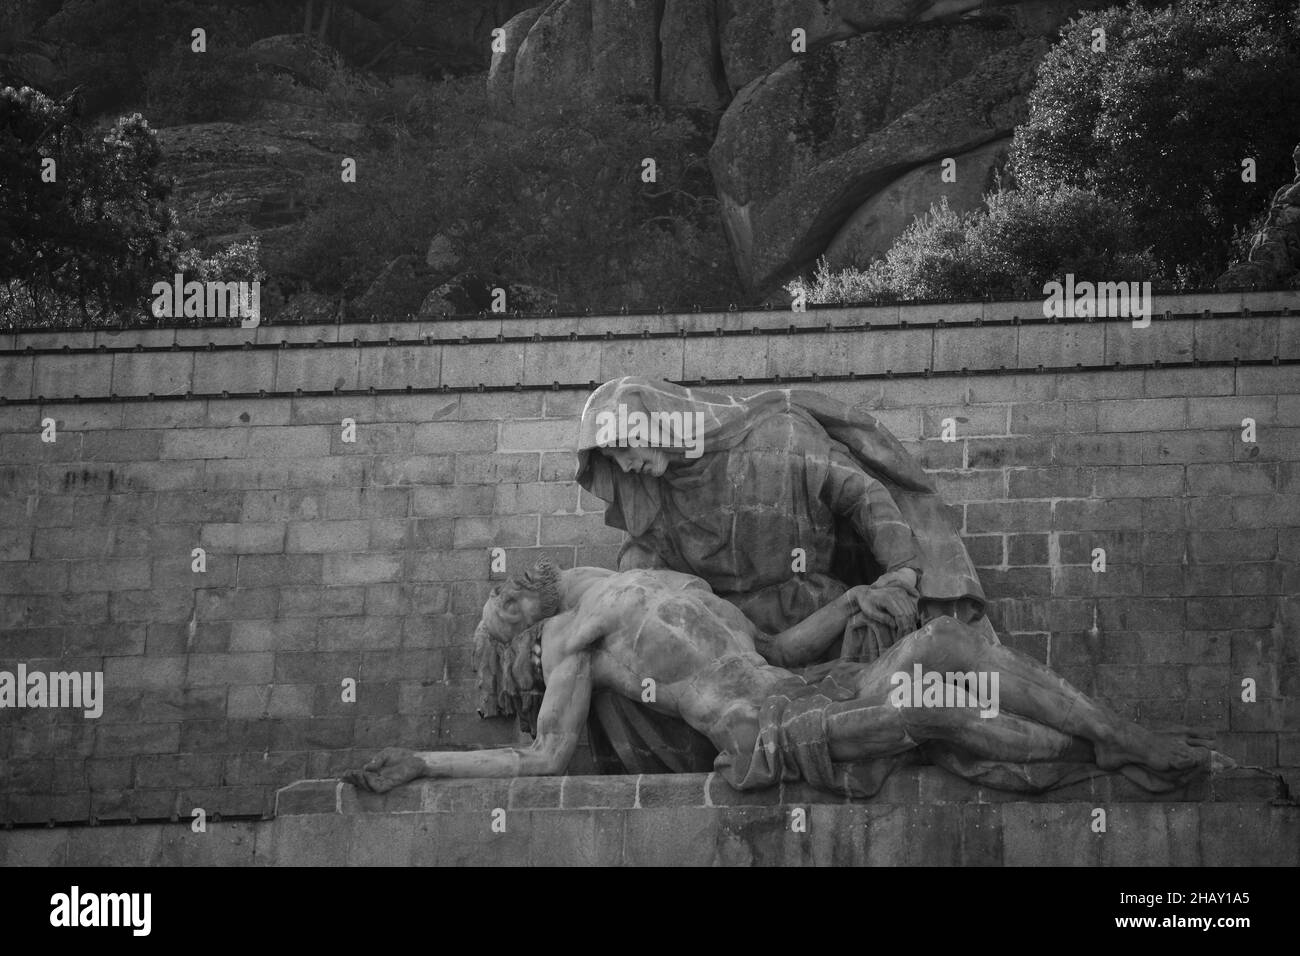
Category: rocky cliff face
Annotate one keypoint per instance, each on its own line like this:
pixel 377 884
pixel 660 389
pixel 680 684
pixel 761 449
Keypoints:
pixel 826 151
pixel 235 180
pixel 1274 256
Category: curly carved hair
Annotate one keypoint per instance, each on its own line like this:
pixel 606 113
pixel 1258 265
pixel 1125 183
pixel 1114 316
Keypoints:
pixel 508 683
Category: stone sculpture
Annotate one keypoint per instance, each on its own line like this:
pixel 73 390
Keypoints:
pixel 548 639
pixel 781 502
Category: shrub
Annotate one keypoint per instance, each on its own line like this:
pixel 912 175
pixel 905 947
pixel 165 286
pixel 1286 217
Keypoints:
pixel 96 236
pixel 1160 122
pixel 1008 249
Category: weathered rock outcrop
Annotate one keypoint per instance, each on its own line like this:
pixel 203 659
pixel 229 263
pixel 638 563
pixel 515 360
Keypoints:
pixel 880 220
pixel 306 59
pixel 1274 257
pixel 690 51
pixel 234 180
pixel 586 50
pixel 807 140
pixel 756 35
pixel 581 51
pixel 798 152
pixel 501 75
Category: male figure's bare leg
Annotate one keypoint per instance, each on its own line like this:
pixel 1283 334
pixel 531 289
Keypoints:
pixel 859 730
pixel 1028 689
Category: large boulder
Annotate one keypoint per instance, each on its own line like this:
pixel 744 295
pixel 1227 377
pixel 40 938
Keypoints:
pixel 585 50
pixel 872 229
pixel 501 74
pixel 570 52
pixel 306 59
pixel 798 152
pixel 689 39
pixel 757 35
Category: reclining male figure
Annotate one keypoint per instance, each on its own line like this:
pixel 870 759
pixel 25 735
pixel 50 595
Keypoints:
pixel 587 628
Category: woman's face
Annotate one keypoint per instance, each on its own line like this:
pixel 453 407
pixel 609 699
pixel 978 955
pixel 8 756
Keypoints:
pixel 640 459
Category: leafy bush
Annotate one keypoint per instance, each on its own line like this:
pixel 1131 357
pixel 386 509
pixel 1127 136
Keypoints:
pixel 238 262
pixel 96 236
pixel 1160 122
pixel 1009 249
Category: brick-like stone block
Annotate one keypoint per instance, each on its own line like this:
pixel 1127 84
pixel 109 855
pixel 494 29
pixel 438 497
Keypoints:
pixel 17 377
pixel 657 358
pixel 1005 516
pixel 473 469
pixel 1084 515
pixel 215 669
pixel 537 435
pixel 1142 415
pixel 500 531
pixel 388 366
pixel 382 840
pixel 205 443
pixel 158 373
pixel 1166 341
pixel 898 351
pixel 1140 481
pixel 495 364
pixel 1060 346
pixel 670 836
pixel 1233 479
pixel 974 348
pixel 1051 482
pixel 563 362
pixel 710 357
pixel 245 372
pixel 577 529
pixel 1008 452
pixel 63 376
pixel 317 370
pixel 967 420
pixel 1225 339
pixel 444 437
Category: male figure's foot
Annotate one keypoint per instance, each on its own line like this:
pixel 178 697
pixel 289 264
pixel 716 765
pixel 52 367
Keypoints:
pixel 1178 751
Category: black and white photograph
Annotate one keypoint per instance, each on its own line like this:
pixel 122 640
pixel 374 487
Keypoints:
pixel 651 434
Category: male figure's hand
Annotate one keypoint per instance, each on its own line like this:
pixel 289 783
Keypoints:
pixel 891 606
pixel 393 767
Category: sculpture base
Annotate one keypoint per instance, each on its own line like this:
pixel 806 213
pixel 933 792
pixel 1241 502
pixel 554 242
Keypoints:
pixel 924 816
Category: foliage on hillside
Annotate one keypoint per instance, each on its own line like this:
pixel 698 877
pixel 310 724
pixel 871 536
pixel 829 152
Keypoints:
pixel 1130 159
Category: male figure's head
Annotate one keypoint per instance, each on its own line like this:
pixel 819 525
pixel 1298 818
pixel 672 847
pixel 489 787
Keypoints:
pixel 509 679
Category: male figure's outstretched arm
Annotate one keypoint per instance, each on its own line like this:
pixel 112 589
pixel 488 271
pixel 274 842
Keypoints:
pixel 559 722
pixel 890 599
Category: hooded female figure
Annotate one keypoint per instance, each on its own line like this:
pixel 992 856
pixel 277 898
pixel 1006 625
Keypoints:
pixel 781 501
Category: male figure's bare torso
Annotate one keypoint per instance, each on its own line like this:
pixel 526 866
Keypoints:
pixel 667 633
